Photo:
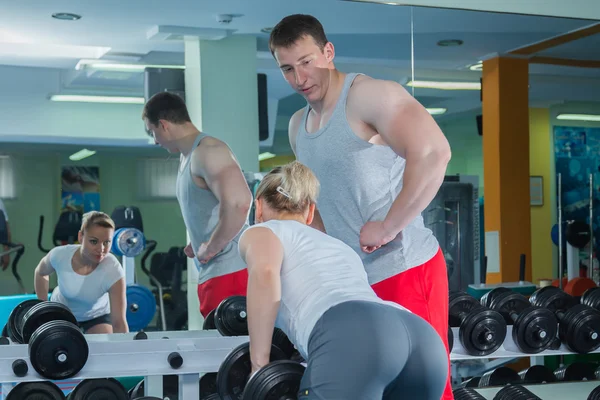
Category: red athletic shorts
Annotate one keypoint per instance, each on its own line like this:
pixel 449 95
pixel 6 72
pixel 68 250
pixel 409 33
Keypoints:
pixel 424 291
pixel 215 290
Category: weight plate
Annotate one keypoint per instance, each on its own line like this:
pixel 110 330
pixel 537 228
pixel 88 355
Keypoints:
pixel 208 385
pixel 141 307
pixel 537 374
pixel 128 242
pixel 487 299
pixel 535 329
pixel 281 340
pixel 5 330
pixel 277 380
pixel 515 392
pixel 459 306
pixel 591 298
pixel 235 371
pixel 99 389
pixel 209 321
pixel 576 287
pixel 43 390
pixel 58 350
pixel 230 316
pixel 577 371
pixel 499 377
pixel 579 329
pixel 578 234
pixel 464 393
pixel 15 319
pixel 450 339
pixel 43 312
pixel 552 298
pixel 483 332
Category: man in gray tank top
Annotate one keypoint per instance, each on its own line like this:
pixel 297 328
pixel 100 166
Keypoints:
pixel 380 158
pixel 213 196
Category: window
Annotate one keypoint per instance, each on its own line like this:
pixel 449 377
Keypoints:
pixel 157 178
pixel 7 178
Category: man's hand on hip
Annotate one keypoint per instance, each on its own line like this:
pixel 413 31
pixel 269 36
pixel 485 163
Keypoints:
pixel 373 235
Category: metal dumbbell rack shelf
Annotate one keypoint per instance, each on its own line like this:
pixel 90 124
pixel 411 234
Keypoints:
pixel 121 355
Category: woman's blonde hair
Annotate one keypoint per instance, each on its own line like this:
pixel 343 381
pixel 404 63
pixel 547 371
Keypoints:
pixel 96 218
pixel 289 188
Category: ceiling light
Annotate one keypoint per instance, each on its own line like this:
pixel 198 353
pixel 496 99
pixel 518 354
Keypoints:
pixel 579 117
pixel 66 16
pixel 445 85
pixel 81 154
pixel 46 50
pixel 113 66
pixel 436 111
pixel 450 43
pixel 97 99
pixel 265 156
pixel 476 67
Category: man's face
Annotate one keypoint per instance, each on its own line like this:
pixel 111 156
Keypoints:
pixel 160 134
pixel 306 67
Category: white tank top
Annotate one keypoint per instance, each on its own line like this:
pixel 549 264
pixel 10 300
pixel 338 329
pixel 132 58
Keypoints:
pixel 85 295
pixel 318 272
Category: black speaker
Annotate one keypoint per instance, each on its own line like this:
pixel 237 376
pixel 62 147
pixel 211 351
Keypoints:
pixel 263 108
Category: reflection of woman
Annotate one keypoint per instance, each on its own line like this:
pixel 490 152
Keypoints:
pixel 314 287
pixel 91 281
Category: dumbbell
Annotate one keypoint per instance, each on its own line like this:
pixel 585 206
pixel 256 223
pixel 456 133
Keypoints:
pixel 281 376
pixel 230 316
pixel 576 372
pixel 209 321
pixel 594 394
pixel 579 324
pixel 515 392
pixel 537 374
pixel 481 330
pixel 466 393
pixel 36 390
pixel 57 347
pixel 534 328
pixel 102 388
pixel 499 377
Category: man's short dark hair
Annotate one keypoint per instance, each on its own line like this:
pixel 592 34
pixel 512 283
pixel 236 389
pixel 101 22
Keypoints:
pixel 293 28
pixel 168 106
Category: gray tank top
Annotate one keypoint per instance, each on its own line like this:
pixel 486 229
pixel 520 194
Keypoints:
pixel 359 182
pixel 200 210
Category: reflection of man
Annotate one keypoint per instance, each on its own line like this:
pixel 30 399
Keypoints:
pixel 5 258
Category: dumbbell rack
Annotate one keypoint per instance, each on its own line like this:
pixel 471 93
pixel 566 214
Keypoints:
pixel 120 355
pixel 508 352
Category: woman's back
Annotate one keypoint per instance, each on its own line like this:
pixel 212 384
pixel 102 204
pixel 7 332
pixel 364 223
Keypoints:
pixel 318 272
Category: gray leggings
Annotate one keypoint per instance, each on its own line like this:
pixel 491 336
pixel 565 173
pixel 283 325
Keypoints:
pixel 370 351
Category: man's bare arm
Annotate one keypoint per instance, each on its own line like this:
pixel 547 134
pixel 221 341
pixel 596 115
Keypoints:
pixel 406 126
pixel 293 128
pixel 214 162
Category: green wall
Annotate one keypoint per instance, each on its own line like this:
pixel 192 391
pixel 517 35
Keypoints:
pixel 38 193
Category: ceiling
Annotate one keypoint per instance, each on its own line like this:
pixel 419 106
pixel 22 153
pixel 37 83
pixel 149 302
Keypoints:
pixel 375 39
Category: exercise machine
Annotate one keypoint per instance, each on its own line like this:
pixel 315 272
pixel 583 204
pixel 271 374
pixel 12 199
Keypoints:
pixel 16 248
pixel 66 230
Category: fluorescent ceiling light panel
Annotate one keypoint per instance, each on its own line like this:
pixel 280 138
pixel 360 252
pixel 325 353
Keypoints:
pixel 81 154
pixel 436 111
pixel 445 85
pixel 579 117
pixel 76 98
pixel 265 156
pixel 476 67
pixel 45 50
pixel 120 67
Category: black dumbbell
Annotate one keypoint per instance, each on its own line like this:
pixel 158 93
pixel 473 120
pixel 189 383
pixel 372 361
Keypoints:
pixel 499 377
pixel 576 372
pixel 579 324
pixel 57 347
pixel 515 392
pixel 36 390
pixel 230 316
pixel 234 374
pixel 466 393
pixel 481 330
pixel 534 329
pixel 209 321
pixel 537 374
pixel 102 388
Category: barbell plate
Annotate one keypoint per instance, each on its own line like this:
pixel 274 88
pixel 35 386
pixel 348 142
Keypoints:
pixel 276 380
pixel 537 374
pixel 499 377
pixel 128 242
pixel 42 390
pixel 14 325
pixel 208 385
pixel 102 388
pixel 577 286
pixel 141 307
pixel 58 350
pixel 42 313
pixel 235 370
